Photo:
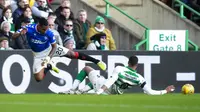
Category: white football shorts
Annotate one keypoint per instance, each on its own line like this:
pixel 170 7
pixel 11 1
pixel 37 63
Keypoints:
pixel 40 56
pixel 96 79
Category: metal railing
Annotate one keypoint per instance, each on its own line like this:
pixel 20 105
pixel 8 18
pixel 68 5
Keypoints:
pixel 138 45
pixel 107 14
pixel 182 6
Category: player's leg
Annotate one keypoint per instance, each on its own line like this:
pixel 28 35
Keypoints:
pixel 96 79
pixel 87 88
pixel 81 76
pixel 62 51
pixel 82 56
pixel 39 70
pixel 39 76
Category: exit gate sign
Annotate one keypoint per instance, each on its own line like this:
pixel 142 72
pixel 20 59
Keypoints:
pixel 167 40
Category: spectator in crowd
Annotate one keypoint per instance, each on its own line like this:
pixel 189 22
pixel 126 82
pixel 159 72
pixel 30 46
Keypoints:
pixel 81 26
pixel 4 45
pixel 27 14
pixel 55 32
pixel 6 3
pixel 21 41
pixel 3 4
pixel 5 31
pixel 69 43
pixel 20 10
pixel 64 3
pixel 67 33
pixel 41 9
pixel 7 16
pixel 53 17
pixel 65 15
pixel 44 6
pixel 98 42
pixel 99 27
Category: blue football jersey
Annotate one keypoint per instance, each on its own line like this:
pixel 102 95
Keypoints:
pixel 37 41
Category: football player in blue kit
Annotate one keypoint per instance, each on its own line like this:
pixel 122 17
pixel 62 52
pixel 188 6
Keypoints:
pixel 43 44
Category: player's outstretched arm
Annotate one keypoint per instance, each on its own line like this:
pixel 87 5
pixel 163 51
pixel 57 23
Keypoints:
pixel 150 91
pixel 54 46
pixel 19 33
pixel 170 88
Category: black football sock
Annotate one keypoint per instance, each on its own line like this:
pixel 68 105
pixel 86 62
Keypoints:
pixel 83 56
pixel 49 67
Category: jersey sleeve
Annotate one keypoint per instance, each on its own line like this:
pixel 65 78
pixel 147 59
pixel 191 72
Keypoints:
pixel 51 37
pixel 27 27
pixel 150 91
pixel 142 81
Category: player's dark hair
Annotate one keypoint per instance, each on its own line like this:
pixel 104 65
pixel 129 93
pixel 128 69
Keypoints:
pixel 43 22
pixel 133 60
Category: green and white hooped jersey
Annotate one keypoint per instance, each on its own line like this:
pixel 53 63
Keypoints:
pixel 127 78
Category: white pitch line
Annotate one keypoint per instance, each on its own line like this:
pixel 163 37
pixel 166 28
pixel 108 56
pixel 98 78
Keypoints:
pixel 100 105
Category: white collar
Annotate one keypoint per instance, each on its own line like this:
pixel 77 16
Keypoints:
pixel 99 30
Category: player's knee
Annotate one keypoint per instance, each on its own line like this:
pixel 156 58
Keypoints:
pixel 71 54
pixel 88 69
pixel 39 77
pixel 85 68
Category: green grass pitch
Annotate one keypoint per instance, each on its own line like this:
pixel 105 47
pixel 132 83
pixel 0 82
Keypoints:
pixel 102 103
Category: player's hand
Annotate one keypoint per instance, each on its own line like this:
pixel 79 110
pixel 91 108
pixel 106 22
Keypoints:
pixel 170 88
pixel 23 31
pixel 46 60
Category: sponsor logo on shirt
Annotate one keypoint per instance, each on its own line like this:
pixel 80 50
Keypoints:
pixel 38 41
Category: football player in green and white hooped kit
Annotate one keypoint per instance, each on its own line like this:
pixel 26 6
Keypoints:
pixel 120 80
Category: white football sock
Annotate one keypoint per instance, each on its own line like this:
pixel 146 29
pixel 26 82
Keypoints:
pixel 75 84
pixel 86 88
